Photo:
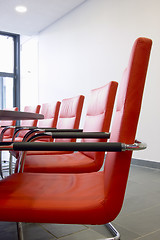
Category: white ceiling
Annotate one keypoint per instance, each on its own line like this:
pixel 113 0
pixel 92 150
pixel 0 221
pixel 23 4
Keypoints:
pixel 40 14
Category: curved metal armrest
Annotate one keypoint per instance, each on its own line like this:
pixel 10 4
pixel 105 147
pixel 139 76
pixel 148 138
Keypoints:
pixel 135 147
pixel 4 130
pixel 21 128
pixel 93 135
pixel 3 126
pixel 30 134
pixel 69 146
pixel 37 130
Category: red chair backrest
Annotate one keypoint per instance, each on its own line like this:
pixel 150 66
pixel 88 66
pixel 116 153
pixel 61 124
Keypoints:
pixel 50 112
pixel 29 123
pixel 70 114
pixel 9 132
pixel 124 126
pixel 98 116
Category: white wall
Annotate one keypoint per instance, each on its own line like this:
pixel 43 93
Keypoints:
pixel 91 46
pixel 29 71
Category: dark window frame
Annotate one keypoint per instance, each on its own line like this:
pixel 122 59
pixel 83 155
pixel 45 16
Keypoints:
pixel 16 69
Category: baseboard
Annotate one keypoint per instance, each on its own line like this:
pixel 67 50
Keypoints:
pixel 145 163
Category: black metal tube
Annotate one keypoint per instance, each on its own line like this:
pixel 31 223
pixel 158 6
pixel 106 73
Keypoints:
pixel 37 146
pixel 49 130
pixel 6 146
pixel 93 135
pixel 100 135
pixel 5 143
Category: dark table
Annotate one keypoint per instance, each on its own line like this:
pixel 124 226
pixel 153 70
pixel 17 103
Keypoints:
pixel 18 115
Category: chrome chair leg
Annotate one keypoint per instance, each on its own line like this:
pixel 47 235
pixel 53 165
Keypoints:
pixel 113 231
pixel 10 164
pixel 110 227
pixel 1 170
pixel 20 231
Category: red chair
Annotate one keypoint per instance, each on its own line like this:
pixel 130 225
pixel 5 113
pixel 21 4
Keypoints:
pixel 70 115
pixel 50 112
pixel 86 198
pixel 26 123
pixel 8 134
pixel 68 119
pixel 98 118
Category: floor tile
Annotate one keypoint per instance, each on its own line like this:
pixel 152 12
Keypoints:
pixel 139 203
pixel 60 230
pixel 36 232
pixel 100 229
pixel 142 174
pixel 141 222
pixel 8 231
pixel 88 234
pixel 151 236
pixel 125 233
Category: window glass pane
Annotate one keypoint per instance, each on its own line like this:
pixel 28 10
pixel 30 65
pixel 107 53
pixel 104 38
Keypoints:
pixel 7 54
pixel 6 92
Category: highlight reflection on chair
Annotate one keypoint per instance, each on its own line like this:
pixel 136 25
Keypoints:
pixel 85 198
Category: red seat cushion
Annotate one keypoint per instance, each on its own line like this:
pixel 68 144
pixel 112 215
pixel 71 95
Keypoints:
pixel 58 198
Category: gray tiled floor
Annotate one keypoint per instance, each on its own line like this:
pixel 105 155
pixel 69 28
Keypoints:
pixel 138 220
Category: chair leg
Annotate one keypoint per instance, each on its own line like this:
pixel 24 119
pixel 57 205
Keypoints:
pixel 1 170
pixel 20 231
pixel 113 231
pixel 110 227
pixel 10 165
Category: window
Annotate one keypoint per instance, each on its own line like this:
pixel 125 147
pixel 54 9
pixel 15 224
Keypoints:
pixel 9 70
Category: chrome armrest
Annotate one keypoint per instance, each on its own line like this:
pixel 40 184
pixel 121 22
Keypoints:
pixel 68 146
pixel 93 135
pixel 134 147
